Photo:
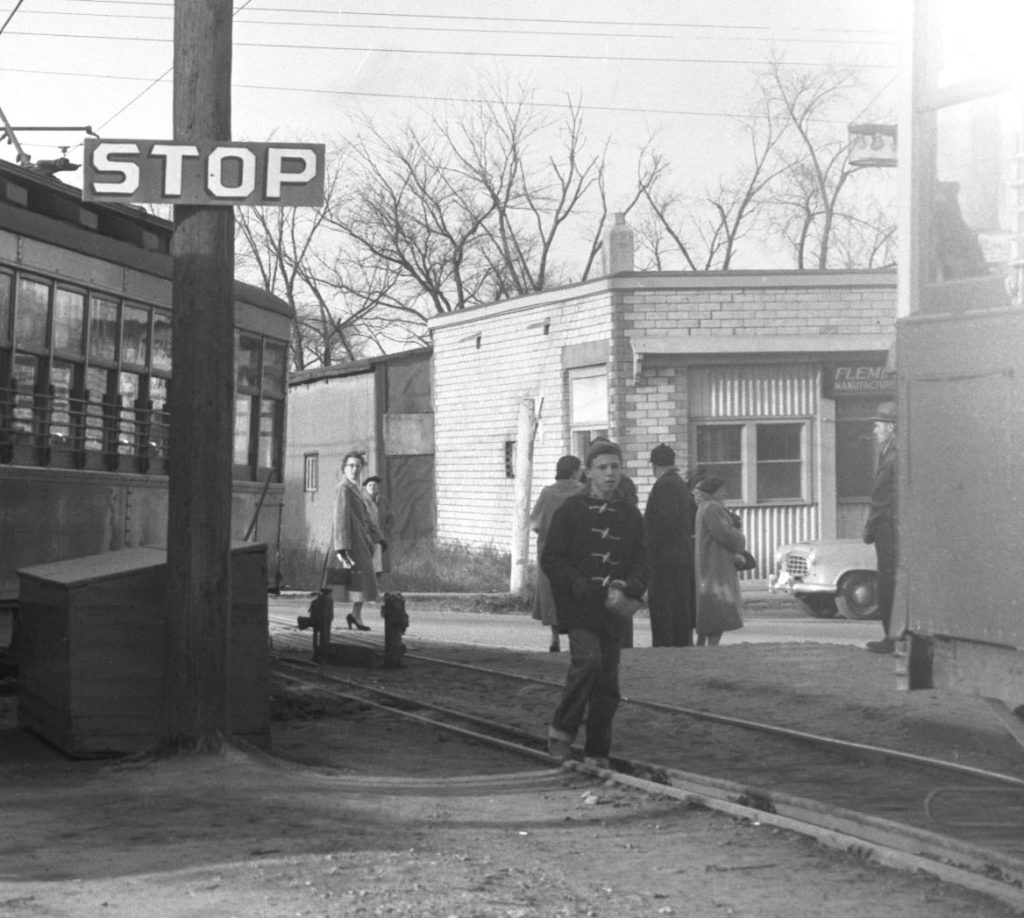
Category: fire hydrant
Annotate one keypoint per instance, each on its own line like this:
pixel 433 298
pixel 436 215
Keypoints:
pixel 320 619
pixel 396 620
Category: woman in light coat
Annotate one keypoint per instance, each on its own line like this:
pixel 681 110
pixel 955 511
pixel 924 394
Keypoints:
pixel 355 535
pixel 718 541
pixel 568 471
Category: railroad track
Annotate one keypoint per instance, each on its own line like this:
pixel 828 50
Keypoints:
pixel 885 799
pixel 888 842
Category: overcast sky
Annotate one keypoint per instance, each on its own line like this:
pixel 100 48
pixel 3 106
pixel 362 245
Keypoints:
pixel 302 68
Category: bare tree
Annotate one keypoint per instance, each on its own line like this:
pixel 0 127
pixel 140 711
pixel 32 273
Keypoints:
pixel 807 200
pixel 791 183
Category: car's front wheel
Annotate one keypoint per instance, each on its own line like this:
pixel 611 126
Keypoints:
pixel 858 595
pixel 819 606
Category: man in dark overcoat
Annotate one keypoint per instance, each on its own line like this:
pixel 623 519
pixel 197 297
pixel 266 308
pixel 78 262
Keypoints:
pixel 880 528
pixel 668 519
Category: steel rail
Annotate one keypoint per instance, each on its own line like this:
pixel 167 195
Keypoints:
pixel 847 747
pixel 888 843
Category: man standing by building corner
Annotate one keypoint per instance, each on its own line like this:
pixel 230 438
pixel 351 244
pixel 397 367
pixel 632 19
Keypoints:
pixel 668 519
pixel 880 528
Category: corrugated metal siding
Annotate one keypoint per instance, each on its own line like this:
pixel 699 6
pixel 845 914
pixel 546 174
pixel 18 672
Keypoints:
pixel 766 528
pixel 763 391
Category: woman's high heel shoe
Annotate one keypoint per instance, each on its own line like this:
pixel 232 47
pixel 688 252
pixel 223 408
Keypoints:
pixel 350 620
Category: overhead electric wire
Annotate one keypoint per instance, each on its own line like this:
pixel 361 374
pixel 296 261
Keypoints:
pixel 585 106
pixel 447 52
pixel 478 18
pixel 491 30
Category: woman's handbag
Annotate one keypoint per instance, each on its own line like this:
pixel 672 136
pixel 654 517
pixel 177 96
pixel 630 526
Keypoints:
pixel 745 561
pixel 618 603
pixel 339 573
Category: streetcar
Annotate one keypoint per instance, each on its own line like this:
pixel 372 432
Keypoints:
pixel 85 373
pixel 959 354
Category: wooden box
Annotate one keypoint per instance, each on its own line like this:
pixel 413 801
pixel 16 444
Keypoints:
pixel 92 650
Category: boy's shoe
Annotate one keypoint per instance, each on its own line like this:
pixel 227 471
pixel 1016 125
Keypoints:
pixel 559 745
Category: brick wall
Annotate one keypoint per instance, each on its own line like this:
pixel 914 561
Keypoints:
pixel 486 360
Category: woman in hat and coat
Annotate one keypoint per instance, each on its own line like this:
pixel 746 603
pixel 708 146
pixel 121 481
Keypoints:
pixel 718 542
pixel 568 471
pixel 355 534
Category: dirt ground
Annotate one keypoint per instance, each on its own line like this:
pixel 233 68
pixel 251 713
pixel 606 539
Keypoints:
pixel 352 813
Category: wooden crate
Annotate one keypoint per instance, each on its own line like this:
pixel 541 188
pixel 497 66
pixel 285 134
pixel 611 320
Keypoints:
pixel 92 650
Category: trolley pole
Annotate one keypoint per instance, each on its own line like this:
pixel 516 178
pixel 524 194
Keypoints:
pixel 201 399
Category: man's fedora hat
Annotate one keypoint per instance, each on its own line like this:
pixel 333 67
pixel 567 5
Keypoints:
pixel 886 413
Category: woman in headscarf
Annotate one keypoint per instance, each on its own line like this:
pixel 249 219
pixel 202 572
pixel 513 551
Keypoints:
pixel 718 542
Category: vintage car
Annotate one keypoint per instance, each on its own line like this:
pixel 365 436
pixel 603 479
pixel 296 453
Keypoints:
pixel 828 576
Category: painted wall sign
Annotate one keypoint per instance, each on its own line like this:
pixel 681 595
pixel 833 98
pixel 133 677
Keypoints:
pixel 857 379
pixel 229 174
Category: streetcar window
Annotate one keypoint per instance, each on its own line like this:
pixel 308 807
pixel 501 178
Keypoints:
pixel 161 340
pixel 268 435
pixel 102 328
pixel 127 420
pixel 243 428
pixel 135 336
pixel 5 306
pixel 68 321
pixel 62 375
pixel 247 362
pixel 159 419
pixel 94 398
pixel 968 117
pixel 274 369
pixel 31 313
pixel 25 372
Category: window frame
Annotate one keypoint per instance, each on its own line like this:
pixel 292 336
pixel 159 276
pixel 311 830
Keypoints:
pixel 749 462
pixel 584 429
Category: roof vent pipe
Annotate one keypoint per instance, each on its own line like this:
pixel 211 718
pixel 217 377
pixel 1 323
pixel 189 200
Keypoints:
pixel 617 247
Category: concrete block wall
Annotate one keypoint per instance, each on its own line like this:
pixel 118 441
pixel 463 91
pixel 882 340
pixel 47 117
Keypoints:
pixel 486 361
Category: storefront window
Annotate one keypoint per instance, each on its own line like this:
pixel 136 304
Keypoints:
pixel 759 462
pixel 855 454
pixel 779 461
pixel 720 453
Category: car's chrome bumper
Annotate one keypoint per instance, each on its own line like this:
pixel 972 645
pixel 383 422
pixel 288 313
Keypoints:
pixel 783 582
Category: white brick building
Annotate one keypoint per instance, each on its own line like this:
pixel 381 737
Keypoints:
pixel 768 378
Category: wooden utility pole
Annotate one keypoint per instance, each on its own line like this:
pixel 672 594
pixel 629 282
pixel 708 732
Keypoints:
pixel 201 398
pixel 528 419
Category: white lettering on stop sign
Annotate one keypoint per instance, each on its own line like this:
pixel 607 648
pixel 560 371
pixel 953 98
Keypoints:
pixel 215 172
pixel 276 176
pixel 165 172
